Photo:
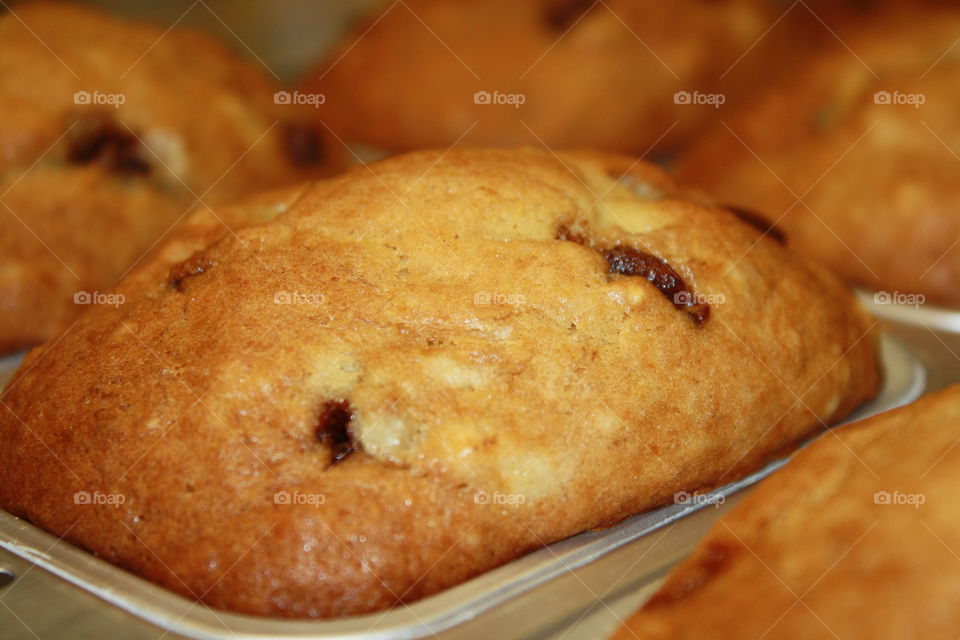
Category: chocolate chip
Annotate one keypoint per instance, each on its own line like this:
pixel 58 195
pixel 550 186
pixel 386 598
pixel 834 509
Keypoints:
pixel 101 141
pixel 303 144
pixel 333 430
pixel 560 15
pixel 193 266
pixel 758 221
pixel 628 261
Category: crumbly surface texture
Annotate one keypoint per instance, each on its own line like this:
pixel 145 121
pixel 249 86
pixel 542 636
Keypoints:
pixel 599 74
pixel 860 174
pixel 111 132
pixel 855 538
pixel 377 386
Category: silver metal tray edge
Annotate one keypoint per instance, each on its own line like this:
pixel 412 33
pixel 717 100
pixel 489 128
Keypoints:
pixel 883 304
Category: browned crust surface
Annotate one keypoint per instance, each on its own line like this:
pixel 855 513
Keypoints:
pixel 460 302
pixel 855 538
pixel 89 183
pixel 590 73
pixel 868 188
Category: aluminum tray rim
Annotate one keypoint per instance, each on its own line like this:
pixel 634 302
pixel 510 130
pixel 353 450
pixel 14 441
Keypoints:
pixel 885 305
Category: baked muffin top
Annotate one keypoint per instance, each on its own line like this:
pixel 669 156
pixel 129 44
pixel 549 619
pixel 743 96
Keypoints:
pixel 555 72
pixel 111 132
pixel 855 538
pixel 456 356
pixel 854 154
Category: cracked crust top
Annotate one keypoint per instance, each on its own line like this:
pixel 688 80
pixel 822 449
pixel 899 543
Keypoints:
pixel 377 386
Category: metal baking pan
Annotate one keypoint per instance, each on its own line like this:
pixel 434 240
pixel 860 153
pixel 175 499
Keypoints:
pixel 909 308
pixel 9 364
pixel 515 599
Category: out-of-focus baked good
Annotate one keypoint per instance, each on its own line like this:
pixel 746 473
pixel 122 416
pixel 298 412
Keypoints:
pixel 865 134
pixel 421 370
pixel 111 132
pixel 560 72
pixel 856 537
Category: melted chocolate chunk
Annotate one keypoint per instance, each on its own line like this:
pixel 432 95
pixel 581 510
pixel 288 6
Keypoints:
pixel 333 430
pixel 627 261
pixel 560 15
pixel 101 141
pixel 193 266
pixel 303 144
pixel 759 222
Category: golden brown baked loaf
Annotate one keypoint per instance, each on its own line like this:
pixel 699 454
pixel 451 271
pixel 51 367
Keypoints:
pixel 421 370
pixel 855 538
pixel 854 152
pixel 560 72
pixel 111 132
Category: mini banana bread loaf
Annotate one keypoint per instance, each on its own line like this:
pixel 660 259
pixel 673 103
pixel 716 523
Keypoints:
pixel 377 386
pixel 621 74
pixel 853 153
pixel 111 132
pixel 856 537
